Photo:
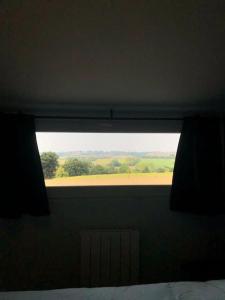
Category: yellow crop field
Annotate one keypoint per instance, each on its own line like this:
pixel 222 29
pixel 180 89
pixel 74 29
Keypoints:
pixel 113 179
pixel 61 161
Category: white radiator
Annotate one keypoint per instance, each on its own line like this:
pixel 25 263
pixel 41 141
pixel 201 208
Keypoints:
pixel 109 257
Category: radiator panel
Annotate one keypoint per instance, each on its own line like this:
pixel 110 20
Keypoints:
pixel 109 257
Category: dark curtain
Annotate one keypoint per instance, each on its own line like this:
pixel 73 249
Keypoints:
pixel 198 179
pixel 22 184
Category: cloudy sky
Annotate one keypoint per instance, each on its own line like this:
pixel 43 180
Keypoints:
pixel 135 142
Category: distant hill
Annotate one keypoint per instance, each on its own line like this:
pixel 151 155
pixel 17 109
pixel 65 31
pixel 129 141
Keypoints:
pixel 101 154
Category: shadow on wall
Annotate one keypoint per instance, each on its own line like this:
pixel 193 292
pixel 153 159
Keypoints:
pixel 43 253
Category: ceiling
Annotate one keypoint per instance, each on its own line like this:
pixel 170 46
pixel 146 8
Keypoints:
pixel 163 55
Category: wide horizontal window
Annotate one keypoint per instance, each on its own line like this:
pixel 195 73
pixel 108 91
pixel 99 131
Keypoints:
pixel 98 159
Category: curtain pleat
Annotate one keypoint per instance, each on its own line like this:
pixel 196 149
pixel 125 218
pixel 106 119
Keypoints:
pixel 198 179
pixel 22 182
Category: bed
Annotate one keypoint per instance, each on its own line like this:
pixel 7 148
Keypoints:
pixel 209 290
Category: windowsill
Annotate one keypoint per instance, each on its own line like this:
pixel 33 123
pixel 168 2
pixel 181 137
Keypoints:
pixel 94 192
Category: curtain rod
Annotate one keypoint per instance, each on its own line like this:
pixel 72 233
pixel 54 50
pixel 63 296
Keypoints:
pixel 111 118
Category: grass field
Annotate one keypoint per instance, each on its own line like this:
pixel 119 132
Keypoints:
pixel 157 163
pixel 143 162
pixel 113 179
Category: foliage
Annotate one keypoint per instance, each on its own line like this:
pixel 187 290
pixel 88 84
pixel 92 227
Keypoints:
pixel 161 170
pixel 146 170
pixel 132 161
pixel 111 170
pixel 79 166
pixel 115 163
pixel 124 169
pixel 76 167
pixel 49 162
pixel 60 172
pixel 98 169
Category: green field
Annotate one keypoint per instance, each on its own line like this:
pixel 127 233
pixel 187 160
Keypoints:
pixel 156 162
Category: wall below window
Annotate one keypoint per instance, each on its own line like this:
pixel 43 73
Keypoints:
pixel 43 253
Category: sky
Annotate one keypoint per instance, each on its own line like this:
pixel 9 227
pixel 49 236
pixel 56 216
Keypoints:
pixel 129 142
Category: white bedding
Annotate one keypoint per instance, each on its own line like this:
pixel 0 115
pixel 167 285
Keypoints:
pixel 210 290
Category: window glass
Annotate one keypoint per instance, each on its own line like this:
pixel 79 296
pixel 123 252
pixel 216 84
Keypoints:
pixel 98 159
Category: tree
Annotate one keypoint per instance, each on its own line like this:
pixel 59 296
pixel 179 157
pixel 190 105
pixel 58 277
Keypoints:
pixel 49 162
pixel 115 163
pixel 124 169
pixel 76 167
pixel 132 161
pixel 111 170
pixel 60 172
pixel 98 169
pixel 146 170
pixel 161 170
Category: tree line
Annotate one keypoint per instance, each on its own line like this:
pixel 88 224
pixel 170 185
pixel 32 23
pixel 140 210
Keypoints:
pixel 78 167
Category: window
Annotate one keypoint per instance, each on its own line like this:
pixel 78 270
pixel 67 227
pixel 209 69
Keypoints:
pixel 98 159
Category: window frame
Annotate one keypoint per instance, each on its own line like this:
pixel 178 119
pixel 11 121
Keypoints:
pixel 45 124
pixel 101 125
